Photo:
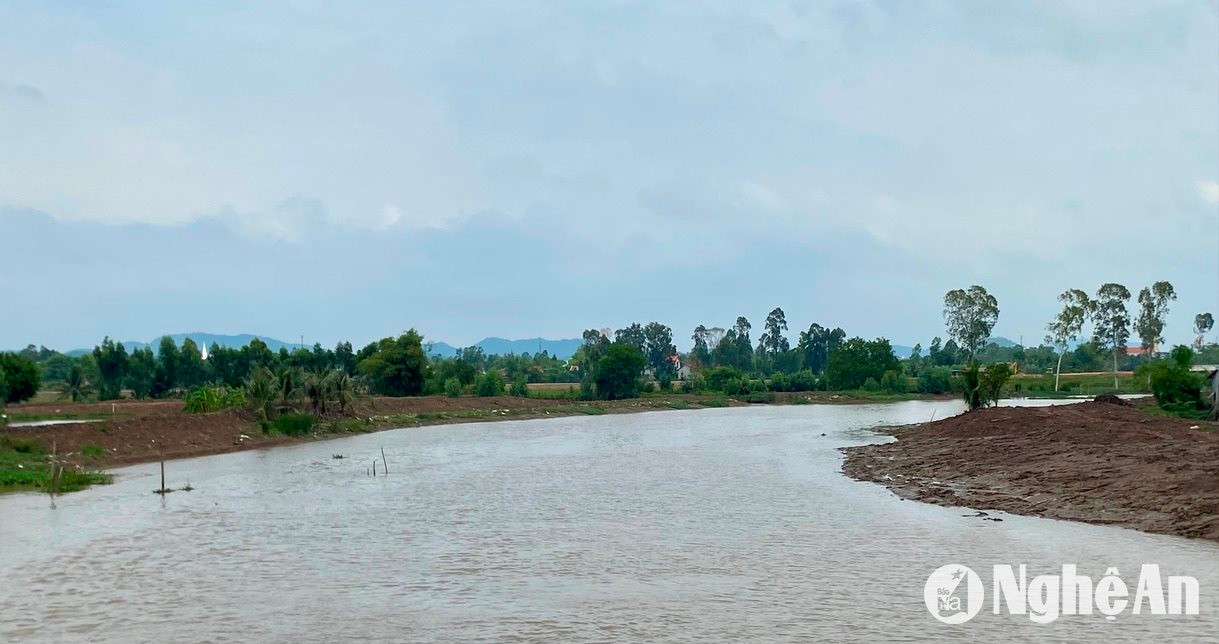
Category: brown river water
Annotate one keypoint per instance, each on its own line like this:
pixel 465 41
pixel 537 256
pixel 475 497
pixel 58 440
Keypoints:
pixel 709 525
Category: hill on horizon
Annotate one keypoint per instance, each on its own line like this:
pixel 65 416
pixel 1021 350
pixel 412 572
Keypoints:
pixel 235 341
pixel 561 349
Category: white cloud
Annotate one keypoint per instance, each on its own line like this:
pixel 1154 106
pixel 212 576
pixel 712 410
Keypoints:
pixel 1209 191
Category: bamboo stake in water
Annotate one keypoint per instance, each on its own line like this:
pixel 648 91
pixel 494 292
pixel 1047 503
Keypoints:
pixel 384 464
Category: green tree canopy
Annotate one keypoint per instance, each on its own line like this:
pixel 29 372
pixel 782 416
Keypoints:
pixel 1111 321
pixel 111 358
pixel 1203 323
pixel 618 372
pixel 399 366
pixel 970 314
pixel 658 347
pixel 21 378
pixel 1153 309
pixel 816 345
pixel 857 360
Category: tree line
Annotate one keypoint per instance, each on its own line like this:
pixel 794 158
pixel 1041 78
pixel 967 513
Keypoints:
pixel 624 362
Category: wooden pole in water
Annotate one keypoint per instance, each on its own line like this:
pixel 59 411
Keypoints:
pixel 374 467
pixel 162 490
pixel 384 464
pixel 52 481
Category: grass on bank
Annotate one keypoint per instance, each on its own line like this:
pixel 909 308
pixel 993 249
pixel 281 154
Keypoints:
pixel 22 417
pixel 25 466
pixel 1071 384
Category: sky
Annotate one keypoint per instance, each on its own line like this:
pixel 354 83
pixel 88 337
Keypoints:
pixel 345 171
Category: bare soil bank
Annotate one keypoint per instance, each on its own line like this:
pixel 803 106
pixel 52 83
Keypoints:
pixel 144 431
pixel 1095 462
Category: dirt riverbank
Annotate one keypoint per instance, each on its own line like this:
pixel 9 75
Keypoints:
pixel 137 431
pixel 1094 462
pixel 143 431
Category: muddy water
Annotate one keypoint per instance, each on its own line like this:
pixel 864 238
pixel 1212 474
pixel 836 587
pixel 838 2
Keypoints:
pixel 709 525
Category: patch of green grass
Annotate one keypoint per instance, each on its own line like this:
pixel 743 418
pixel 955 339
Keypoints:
pixel 588 410
pixel 353 426
pixel 92 451
pixel 714 401
pixel 1042 386
pixel 556 393
pixel 24 466
pixel 20 417
pixel 293 424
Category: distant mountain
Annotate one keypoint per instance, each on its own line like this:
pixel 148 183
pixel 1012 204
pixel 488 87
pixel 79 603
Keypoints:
pixel 561 349
pixel 902 351
pixel 201 339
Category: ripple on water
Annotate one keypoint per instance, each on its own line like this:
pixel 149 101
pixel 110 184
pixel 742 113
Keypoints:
pixel 711 525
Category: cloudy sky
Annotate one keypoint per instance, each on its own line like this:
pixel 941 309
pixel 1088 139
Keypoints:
pixel 348 170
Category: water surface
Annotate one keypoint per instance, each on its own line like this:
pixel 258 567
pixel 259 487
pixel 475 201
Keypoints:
pixel 707 525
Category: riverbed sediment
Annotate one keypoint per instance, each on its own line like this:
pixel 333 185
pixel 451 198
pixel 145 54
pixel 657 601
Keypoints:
pixel 1094 462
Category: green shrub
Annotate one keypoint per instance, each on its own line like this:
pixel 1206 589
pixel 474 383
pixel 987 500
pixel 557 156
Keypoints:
pixel 893 383
pixel 20 380
pixel 803 380
pixel 936 380
pixel 92 450
pixel 1177 390
pixel 870 384
pixel 734 387
pixel 992 379
pixel 20 445
pixel 452 387
pixel 760 397
pixel 778 382
pixel 490 384
pixel 970 385
pixel 719 376
pixel 208 399
pixel 293 424
pixel 519 388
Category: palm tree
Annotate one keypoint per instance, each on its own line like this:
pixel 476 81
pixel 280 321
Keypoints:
pixel 76 386
pixel 261 391
pixel 288 386
pixel 317 389
pixel 343 388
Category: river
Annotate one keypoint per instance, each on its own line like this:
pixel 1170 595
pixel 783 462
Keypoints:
pixel 708 525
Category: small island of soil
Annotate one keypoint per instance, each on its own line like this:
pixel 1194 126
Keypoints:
pixel 1097 462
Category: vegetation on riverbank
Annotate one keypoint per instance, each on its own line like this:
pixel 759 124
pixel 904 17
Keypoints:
pixel 308 392
pixel 25 465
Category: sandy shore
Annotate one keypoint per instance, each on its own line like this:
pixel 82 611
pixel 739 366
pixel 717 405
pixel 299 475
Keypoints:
pixel 1093 462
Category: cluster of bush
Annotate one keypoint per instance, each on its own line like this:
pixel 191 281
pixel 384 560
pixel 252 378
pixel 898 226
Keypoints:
pixel 208 399
pixel 490 383
pixel 733 382
pixel 1177 390
pixel 19 378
